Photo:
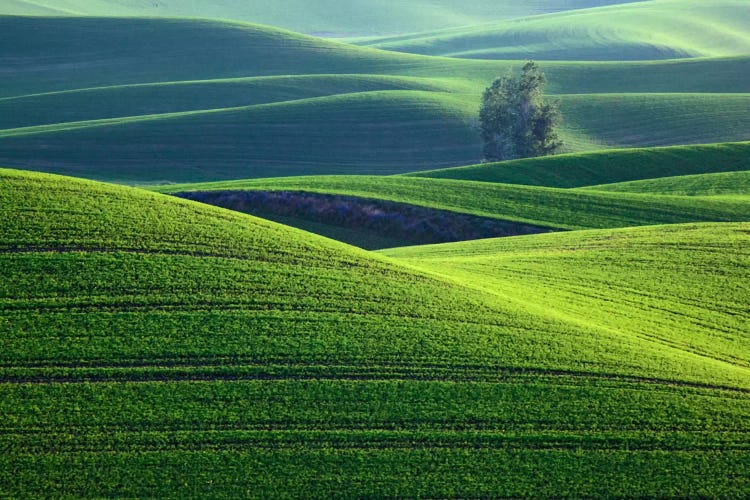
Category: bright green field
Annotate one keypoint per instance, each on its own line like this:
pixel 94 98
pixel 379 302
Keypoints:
pixel 156 347
pixel 92 98
pixel 685 285
pixel 656 29
pixel 331 17
pixel 540 206
pixel 606 167
pixel 719 184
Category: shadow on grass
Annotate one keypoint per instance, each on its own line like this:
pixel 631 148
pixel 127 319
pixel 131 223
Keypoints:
pixel 367 223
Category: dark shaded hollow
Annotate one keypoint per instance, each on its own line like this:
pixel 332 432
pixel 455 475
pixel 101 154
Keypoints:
pixel 367 223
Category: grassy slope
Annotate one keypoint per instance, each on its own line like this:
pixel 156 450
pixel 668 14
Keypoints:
pixel 548 207
pixel 47 54
pixel 646 120
pixel 172 97
pixel 376 133
pixel 658 29
pixel 352 17
pixel 604 167
pixel 719 184
pixel 242 356
pixel 80 70
pixel 591 121
pixel 685 284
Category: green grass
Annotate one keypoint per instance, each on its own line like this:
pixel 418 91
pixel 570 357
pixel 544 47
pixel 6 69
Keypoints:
pixel 657 29
pixel 171 97
pixel 546 207
pixel 48 54
pixel 719 184
pixel 367 132
pixel 605 167
pixel 351 109
pixel 684 285
pixel 154 347
pixel 334 17
pixel 648 120
pixel 360 124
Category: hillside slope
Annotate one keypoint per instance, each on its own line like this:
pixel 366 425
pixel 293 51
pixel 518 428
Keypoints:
pixel 718 184
pixel 47 54
pixel 366 132
pixel 656 29
pixel 62 76
pixel 606 167
pixel 684 284
pixel 331 17
pixel 545 207
pixel 242 356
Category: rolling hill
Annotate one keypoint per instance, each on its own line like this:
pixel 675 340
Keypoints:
pixel 141 133
pixel 719 184
pixel 154 346
pixel 121 101
pixel 49 54
pixel 631 280
pixel 375 133
pixel 656 29
pixel 328 17
pixel 539 206
pixel 92 97
pixel 606 167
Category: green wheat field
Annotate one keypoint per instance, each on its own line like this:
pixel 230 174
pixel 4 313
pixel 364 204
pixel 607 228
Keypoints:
pixel 250 250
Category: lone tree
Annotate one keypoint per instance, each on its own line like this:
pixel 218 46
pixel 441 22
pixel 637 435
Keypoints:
pixel 515 120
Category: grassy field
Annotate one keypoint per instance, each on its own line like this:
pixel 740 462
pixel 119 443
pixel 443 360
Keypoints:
pixel 656 29
pixel 328 17
pixel 684 285
pixel 375 133
pixel 719 184
pixel 606 167
pixel 139 133
pixel 154 346
pixel 91 97
pixel 48 54
pixel 647 120
pixel 540 206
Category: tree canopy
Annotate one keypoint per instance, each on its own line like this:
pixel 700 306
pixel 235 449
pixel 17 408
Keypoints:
pixel 515 119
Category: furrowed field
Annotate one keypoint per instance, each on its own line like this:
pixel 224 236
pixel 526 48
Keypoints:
pixel 244 357
pixel 242 261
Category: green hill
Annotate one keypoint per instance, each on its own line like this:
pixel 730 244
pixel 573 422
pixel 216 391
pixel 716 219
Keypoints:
pixel 719 184
pixel 656 29
pixel 331 17
pixel 683 285
pixel 173 97
pixel 604 167
pixel 539 206
pixel 375 133
pixel 248 86
pixel 646 120
pixel 48 54
pixel 154 347
pixel 132 133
